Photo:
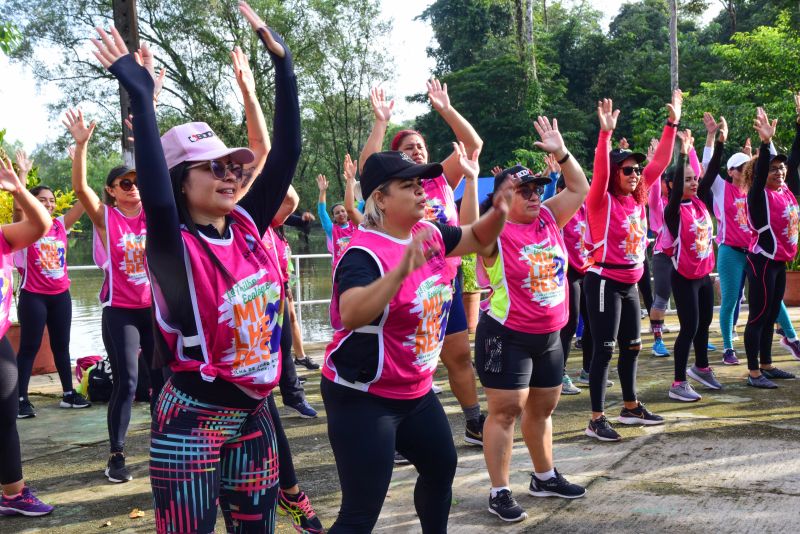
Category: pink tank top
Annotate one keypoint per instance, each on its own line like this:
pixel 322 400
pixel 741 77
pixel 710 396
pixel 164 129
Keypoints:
pixel 624 242
pixel 126 283
pixel 43 265
pixel 730 209
pixel 412 328
pixel 693 250
pixel 656 202
pixel 784 217
pixel 440 206
pixel 6 283
pixel 238 323
pixel 575 240
pixel 528 278
pixel 341 238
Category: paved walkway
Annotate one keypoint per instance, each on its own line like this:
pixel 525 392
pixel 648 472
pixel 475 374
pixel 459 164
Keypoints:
pixel 725 464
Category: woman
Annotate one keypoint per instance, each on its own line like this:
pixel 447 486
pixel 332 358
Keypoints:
pixel 441 207
pixel 219 299
pixel 392 291
pixel 119 249
pixel 773 214
pixel 618 240
pixel 518 347
pixel 44 298
pixel 340 230
pixel 17 498
pixel 687 219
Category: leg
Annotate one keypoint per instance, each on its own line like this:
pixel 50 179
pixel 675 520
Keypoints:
pixel 587 346
pixel 776 285
pixel 10 456
pixel 603 306
pixel 645 288
pixel 292 392
pixel 630 344
pixel 32 314
pixel 574 280
pixel 457 357
pixel 758 315
pixel 705 303
pixel 688 307
pixel 730 265
pixel 286 472
pixel 505 405
pixel 662 276
pixel 59 322
pixel 147 343
pixel 123 353
pixel 297 333
pixel 785 322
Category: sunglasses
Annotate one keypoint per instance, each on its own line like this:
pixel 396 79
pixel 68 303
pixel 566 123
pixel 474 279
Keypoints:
pixel 776 170
pixel 627 171
pixel 220 169
pixel 740 168
pixel 527 192
pixel 126 184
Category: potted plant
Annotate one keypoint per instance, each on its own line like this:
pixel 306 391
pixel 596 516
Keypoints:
pixel 470 292
pixel 791 297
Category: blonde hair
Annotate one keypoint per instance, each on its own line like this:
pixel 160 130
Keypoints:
pixel 373 216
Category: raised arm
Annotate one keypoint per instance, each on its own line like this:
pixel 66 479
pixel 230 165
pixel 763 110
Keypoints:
pixel 672 212
pixel 383 112
pixel 81 133
pixel 350 190
pixel 607 116
pixel 663 154
pixel 322 206
pixel 711 174
pixel 469 212
pixel 481 236
pixel 755 195
pixel 36 221
pixel 24 166
pixel 567 202
pixel 553 170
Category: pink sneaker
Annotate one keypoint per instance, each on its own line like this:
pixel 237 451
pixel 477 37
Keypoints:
pixel 792 346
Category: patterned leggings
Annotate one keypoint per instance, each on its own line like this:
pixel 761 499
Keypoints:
pixel 203 455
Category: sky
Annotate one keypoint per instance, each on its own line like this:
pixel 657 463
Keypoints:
pixel 23 103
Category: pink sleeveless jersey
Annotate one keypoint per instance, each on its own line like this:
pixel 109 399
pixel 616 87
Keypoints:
pixel 43 265
pixel 693 250
pixel 238 321
pixel 281 250
pixel 6 283
pixel 126 283
pixel 341 238
pixel 656 203
pixel 784 217
pixel 412 326
pixel 730 209
pixel 575 240
pixel 624 241
pixel 528 278
pixel 440 206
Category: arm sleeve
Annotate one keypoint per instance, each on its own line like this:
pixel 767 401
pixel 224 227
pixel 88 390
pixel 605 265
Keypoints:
pixel 662 157
pixel 356 269
pixel 597 190
pixel 550 189
pixel 324 219
pixel 451 235
pixel 792 179
pixel 756 196
pixel 655 209
pixel 266 195
pixel 672 213
pixel 705 191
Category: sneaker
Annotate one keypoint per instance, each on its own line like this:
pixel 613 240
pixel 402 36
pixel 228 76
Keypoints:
pixel 735 337
pixel 302 379
pixel 583 378
pixel 25 409
pixel 24 504
pixel 729 358
pixel 505 507
pixel 116 471
pixel 567 387
pixel 777 374
pixel 436 389
pixel 707 378
pixel 659 349
pixel 761 381
pixel 792 346
pixel 601 429
pixel 399 459
pixel 556 486
pixel 683 391
pixel 643 313
pixel 303 409
pixel 780 332
pixel 711 347
pixel 298 508
pixel 306 362
pixel 639 416
pixel 473 433
pixel 578 343
pixel 73 399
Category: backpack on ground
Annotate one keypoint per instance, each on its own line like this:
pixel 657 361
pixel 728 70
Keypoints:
pixel 83 364
pixel 100 382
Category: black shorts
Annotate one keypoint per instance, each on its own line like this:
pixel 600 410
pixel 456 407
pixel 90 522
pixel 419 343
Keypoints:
pixel 507 359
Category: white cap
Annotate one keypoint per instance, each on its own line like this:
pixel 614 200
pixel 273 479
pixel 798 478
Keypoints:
pixel 737 159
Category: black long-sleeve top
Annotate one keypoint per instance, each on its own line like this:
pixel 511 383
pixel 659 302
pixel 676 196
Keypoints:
pixel 672 211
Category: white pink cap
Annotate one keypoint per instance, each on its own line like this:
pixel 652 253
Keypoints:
pixel 196 141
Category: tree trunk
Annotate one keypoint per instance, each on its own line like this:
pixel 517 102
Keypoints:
pixel 673 43
pixel 544 15
pixel 126 23
pixel 529 37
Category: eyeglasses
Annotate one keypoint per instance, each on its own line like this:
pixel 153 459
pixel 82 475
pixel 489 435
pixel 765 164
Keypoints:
pixel 220 169
pixel 776 170
pixel 528 192
pixel 627 171
pixel 126 184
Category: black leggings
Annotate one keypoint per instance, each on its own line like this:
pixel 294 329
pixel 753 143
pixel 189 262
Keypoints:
pixel 614 317
pixel 292 392
pixel 694 302
pixel 364 431
pixel 286 473
pixel 36 310
pixel 645 287
pixel 766 282
pixel 124 332
pixel 10 457
pixel 577 307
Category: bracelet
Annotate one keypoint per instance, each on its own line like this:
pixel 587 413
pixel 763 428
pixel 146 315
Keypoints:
pixel 566 157
pixel 672 124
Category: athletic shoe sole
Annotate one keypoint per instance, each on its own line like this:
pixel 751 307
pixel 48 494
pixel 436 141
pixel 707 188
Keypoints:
pixel 695 376
pixel 26 513
pixel 675 396
pixel 522 517
pixel 25 416
pixel 542 493
pixel 63 404
pixel 592 434
pixel 575 391
pixel 789 349
pixel 473 441
pixel 116 480
pixel 731 363
pixel 638 421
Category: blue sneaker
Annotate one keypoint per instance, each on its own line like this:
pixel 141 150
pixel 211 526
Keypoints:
pixel 659 349
pixel 711 348
pixel 303 409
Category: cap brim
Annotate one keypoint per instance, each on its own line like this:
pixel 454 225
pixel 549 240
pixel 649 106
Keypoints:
pixel 238 155
pixel 538 180
pixel 779 157
pixel 431 170
pixel 638 156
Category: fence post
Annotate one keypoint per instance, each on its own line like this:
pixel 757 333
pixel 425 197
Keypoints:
pixel 298 309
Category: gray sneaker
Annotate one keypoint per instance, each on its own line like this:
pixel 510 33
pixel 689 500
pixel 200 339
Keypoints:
pixel 761 381
pixel 567 387
pixel 683 392
pixel 777 374
pixel 707 378
pixel 584 379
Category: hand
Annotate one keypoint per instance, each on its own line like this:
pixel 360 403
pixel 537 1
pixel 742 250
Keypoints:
pixel 552 164
pixel 551 138
pixel 145 58
pixel 710 122
pixel 244 76
pixel 675 107
pixel 765 128
pixel 496 170
pixel 308 217
pixel 380 107
pixel 129 124
pixel 437 94
pixel 350 167
pixel 651 150
pixel 748 148
pixel 9 181
pixel 687 141
pixel 322 182
pixel 261 28
pixel 607 114
pixel 416 255
pixel 80 132
pixel 23 164
pixel 623 144
pixel 469 165
pixel 723 129
pixel 71 152
pixel 109 47
pixel 502 198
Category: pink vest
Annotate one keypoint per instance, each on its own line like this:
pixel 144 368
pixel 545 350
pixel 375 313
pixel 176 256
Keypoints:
pixel 341 239
pixel 6 283
pixel 412 326
pixel 43 265
pixel 730 209
pixel 693 250
pixel 279 247
pixel 656 203
pixel 784 216
pixel 126 283
pixel 528 278
pixel 624 241
pixel 575 241
pixel 440 206
pixel 238 324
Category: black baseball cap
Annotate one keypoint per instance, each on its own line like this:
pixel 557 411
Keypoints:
pixel 523 174
pixel 778 157
pixel 619 155
pixel 383 167
pixel 118 171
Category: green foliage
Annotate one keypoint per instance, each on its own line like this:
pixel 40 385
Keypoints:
pixel 9 37
pixel 468 266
